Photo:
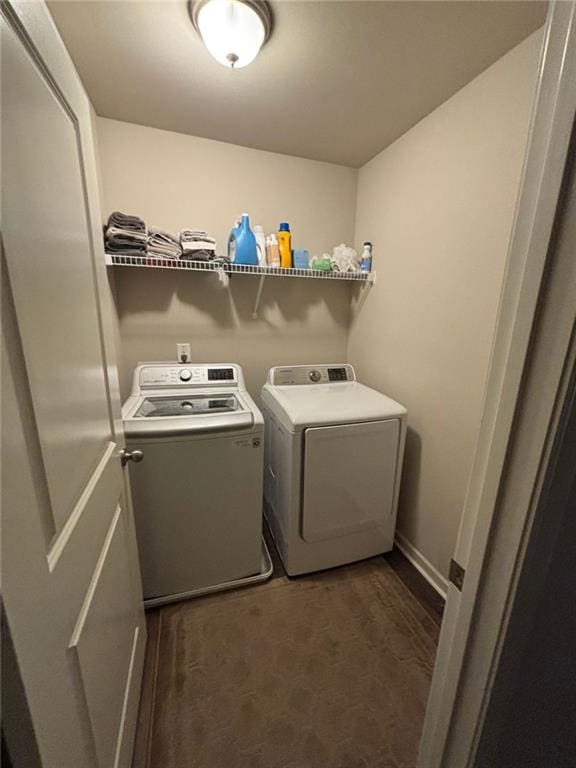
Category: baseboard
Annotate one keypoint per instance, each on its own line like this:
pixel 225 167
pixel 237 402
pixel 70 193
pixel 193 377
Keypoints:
pixel 424 566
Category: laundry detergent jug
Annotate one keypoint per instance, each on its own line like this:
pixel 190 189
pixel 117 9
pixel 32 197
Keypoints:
pixel 242 244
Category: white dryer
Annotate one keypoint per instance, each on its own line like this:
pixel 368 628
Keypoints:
pixel 332 466
pixel 198 493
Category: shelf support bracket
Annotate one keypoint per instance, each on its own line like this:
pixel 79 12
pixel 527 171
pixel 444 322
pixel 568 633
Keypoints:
pixel 365 291
pixel 258 297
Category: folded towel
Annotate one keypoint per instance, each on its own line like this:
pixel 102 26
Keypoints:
pixel 127 243
pixel 199 245
pixel 163 252
pixel 124 250
pixel 162 243
pixel 126 221
pixel 121 238
pixel 163 234
pixel 194 235
pixel 128 234
pixel 199 255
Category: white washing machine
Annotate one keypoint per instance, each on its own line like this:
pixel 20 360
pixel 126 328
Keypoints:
pixel 332 467
pixel 197 494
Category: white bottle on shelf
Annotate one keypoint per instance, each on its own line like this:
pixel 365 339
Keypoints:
pixel 260 244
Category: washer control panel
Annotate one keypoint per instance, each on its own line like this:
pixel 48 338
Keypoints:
pixel 157 376
pixel 311 374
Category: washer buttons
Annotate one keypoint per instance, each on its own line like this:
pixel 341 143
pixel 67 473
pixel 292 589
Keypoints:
pixel 185 375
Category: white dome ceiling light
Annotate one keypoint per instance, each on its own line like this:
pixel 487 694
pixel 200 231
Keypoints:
pixel 232 30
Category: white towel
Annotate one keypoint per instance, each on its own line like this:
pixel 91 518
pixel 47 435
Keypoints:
pixel 163 243
pixel 199 245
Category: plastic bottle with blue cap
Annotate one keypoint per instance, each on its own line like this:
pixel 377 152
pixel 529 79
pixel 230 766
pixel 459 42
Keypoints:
pixel 366 259
pixel 285 245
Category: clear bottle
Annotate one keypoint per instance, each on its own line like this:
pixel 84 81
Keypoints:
pixel 285 245
pixel 272 251
pixel 366 259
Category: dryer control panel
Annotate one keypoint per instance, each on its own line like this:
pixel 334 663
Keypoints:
pixel 158 376
pixel 311 374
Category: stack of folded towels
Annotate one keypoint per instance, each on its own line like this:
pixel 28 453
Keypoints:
pixel 163 244
pixel 197 245
pixel 125 234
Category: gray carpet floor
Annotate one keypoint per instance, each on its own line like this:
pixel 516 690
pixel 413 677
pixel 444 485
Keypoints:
pixel 330 670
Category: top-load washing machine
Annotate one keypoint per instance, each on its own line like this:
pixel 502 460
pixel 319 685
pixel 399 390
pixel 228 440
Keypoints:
pixel 332 467
pixel 197 494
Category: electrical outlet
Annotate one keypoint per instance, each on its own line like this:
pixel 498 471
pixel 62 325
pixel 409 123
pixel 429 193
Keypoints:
pixel 183 353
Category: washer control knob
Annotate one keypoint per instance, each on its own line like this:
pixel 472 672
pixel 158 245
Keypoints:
pixel 185 375
pixel 315 376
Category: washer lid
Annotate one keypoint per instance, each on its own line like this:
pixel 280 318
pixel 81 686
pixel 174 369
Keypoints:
pixel 161 414
pixel 187 405
pixel 343 403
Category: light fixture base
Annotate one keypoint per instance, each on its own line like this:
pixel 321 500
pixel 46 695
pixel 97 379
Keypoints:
pixel 260 7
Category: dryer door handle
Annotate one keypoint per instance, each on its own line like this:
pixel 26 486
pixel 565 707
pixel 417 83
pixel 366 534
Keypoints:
pixel 126 456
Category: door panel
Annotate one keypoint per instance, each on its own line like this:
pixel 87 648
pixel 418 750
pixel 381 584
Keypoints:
pixel 106 629
pixel 81 539
pixel 71 584
pixel 349 474
pixel 48 249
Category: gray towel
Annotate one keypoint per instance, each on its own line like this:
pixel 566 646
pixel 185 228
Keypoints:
pixel 162 253
pixel 119 250
pixel 123 242
pixel 195 235
pixel 126 221
pixel 135 237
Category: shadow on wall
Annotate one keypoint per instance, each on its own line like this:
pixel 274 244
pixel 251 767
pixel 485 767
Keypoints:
pixel 299 321
pixel 408 502
pixel 290 298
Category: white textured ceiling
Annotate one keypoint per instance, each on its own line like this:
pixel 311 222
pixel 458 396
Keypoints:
pixel 338 80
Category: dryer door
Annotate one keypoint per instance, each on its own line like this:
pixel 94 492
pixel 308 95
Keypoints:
pixel 349 474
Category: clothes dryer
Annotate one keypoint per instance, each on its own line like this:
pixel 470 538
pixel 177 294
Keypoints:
pixel 332 466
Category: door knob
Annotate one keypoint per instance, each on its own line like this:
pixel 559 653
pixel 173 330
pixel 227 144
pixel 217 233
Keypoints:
pixel 126 456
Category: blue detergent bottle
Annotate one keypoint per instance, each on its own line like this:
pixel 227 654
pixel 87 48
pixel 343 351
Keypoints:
pixel 242 244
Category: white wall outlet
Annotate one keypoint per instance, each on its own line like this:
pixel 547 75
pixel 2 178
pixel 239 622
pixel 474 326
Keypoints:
pixel 183 353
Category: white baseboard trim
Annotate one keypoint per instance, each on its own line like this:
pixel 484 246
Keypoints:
pixel 422 565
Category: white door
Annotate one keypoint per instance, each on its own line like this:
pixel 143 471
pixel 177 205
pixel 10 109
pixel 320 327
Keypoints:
pixel 71 585
pixel 349 476
pixel 490 544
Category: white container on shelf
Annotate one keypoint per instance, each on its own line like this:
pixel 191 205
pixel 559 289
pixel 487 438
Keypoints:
pixel 260 244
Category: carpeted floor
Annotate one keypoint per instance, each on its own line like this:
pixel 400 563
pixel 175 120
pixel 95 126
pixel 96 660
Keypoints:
pixel 330 670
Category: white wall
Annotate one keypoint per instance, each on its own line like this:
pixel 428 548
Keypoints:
pixel 175 181
pixel 438 205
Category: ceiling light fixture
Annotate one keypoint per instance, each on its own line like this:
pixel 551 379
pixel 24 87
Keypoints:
pixel 232 30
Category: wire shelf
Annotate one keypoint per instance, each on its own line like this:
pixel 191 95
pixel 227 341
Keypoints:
pixel 118 260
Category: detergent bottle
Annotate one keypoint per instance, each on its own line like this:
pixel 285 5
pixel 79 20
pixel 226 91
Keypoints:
pixel 285 245
pixel 242 244
pixel 272 251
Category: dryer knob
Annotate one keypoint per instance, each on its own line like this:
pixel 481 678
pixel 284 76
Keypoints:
pixel 315 376
pixel 185 375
